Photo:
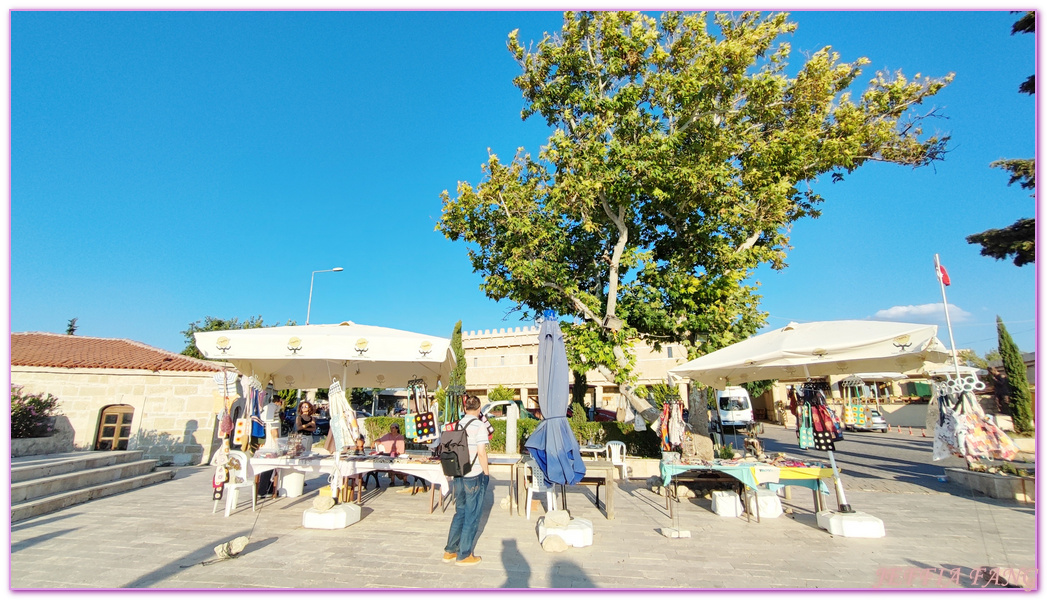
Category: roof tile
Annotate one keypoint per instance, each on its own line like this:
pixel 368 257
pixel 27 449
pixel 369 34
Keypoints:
pixel 40 349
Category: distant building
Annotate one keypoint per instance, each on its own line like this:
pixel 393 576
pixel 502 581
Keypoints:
pixel 123 395
pixel 509 357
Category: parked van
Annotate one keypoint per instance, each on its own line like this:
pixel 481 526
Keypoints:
pixel 734 407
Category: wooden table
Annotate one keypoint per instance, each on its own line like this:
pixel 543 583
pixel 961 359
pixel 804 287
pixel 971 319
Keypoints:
pixel 596 471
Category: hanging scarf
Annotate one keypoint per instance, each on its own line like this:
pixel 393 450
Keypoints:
pixel 257 400
pixel 664 428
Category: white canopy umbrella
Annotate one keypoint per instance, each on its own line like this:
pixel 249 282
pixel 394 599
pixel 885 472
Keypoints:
pixel 818 349
pixel 310 356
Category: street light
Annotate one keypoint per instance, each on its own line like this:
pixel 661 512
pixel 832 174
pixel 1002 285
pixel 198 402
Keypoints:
pixel 311 279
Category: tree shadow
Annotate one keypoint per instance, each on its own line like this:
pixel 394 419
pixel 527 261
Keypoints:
pixel 197 558
pixel 34 523
pixel 22 545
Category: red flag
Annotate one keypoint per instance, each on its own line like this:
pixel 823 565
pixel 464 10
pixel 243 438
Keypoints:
pixel 943 275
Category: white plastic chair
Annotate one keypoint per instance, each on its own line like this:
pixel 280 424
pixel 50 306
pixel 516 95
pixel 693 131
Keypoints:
pixel 617 451
pixel 540 485
pixel 238 480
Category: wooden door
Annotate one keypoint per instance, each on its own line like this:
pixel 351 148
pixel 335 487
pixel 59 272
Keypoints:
pixel 114 429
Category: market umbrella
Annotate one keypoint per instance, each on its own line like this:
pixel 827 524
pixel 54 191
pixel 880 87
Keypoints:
pixel 819 349
pixel 309 356
pixel 552 443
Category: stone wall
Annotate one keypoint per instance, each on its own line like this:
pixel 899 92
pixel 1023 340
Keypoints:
pixel 60 441
pixel 175 413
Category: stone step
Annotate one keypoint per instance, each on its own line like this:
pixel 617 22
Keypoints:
pixel 39 467
pixel 49 504
pixel 56 484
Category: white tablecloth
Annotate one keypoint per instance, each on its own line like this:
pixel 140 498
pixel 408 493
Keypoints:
pixel 429 471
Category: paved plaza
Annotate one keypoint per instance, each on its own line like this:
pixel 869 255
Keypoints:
pixel 163 536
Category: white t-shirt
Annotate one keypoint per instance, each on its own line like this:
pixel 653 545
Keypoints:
pixel 477 434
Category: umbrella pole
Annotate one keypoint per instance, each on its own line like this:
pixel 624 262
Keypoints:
pixel 844 506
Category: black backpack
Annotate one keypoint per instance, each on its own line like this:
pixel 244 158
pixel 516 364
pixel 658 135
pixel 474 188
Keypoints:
pixel 454 451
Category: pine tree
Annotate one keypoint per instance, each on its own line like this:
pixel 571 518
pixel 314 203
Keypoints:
pixel 1021 400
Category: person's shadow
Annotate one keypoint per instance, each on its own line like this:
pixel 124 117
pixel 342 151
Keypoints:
pixel 517 570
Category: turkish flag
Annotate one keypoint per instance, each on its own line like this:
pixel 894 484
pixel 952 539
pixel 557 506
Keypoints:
pixel 943 275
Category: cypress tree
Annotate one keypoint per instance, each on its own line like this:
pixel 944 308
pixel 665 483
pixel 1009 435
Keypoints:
pixel 1021 399
pixel 458 374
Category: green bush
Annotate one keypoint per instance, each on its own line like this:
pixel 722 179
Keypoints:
pixel 644 444
pixel 31 414
pixel 379 426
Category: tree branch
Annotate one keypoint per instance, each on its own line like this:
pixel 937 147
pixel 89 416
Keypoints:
pixel 616 257
pixel 577 302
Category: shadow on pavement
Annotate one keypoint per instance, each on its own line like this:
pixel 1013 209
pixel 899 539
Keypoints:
pixel 566 574
pixel 40 538
pixel 517 569
pixel 42 521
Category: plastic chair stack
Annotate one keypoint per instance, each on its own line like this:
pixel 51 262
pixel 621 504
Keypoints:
pixel 539 485
pixel 238 480
pixel 617 451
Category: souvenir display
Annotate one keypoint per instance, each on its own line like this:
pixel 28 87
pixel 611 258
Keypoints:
pixel 420 426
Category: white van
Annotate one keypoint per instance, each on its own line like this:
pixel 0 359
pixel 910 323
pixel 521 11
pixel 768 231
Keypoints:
pixel 734 407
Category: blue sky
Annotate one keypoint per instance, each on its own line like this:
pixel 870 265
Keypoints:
pixel 167 166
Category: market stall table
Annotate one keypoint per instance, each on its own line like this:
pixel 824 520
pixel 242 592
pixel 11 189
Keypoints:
pixel 599 472
pixel 430 471
pixel 752 475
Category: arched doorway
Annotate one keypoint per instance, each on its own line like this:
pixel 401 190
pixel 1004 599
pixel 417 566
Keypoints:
pixel 114 427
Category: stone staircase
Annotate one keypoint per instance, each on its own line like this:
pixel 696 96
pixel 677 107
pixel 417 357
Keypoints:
pixel 45 483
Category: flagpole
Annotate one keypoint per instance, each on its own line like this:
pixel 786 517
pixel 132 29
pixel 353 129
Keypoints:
pixel 948 321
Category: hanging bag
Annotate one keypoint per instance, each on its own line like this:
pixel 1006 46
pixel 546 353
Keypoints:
pixel 421 427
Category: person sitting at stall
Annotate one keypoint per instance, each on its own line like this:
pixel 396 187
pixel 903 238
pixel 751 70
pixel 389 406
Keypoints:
pixel 305 421
pixel 392 444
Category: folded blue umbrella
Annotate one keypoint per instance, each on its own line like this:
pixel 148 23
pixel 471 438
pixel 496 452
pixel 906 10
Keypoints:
pixel 552 443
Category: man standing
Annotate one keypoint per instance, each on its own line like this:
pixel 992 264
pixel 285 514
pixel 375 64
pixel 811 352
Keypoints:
pixel 469 491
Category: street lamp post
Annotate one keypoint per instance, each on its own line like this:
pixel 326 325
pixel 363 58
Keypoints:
pixel 311 279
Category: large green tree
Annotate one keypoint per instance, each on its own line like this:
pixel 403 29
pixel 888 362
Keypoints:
pixel 680 153
pixel 1017 382
pixel 216 324
pixel 1019 239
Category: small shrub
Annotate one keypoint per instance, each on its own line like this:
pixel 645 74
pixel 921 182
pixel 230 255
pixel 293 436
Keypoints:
pixel 31 414
pixel 726 452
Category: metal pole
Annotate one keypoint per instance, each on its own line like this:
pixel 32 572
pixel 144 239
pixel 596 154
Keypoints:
pixel 844 506
pixel 948 321
pixel 310 306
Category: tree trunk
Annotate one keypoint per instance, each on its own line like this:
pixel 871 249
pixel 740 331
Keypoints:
pixel 648 412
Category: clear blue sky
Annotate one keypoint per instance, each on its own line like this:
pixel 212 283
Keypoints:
pixel 167 166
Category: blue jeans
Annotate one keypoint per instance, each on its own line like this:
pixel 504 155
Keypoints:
pixel 468 508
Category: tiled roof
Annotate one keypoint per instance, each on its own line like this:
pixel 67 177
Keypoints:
pixel 37 349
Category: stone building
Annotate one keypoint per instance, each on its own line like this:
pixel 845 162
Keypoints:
pixel 508 357
pixel 119 394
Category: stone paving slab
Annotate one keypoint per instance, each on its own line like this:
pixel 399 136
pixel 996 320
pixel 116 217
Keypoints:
pixel 162 537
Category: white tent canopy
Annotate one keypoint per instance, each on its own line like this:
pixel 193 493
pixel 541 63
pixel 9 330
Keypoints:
pixel 309 356
pixel 818 349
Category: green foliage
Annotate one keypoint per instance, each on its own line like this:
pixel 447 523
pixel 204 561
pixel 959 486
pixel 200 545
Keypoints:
pixel 216 324
pixel 501 394
pixel 756 388
pixel 458 373
pixel 1021 398
pixel 70 327
pixel 31 413
pixel 644 444
pixel 659 393
pixel 379 426
pixel 726 452
pixel 680 153
pixel 1017 240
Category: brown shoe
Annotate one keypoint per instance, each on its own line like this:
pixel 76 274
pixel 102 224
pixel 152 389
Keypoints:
pixel 468 561
pixel 450 556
